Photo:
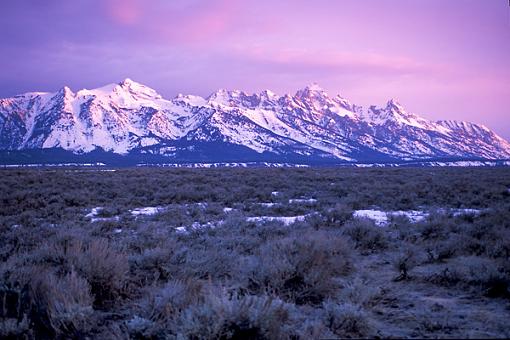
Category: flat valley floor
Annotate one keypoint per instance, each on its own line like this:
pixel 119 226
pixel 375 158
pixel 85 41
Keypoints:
pixel 255 253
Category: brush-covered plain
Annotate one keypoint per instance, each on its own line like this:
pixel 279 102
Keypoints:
pixel 254 253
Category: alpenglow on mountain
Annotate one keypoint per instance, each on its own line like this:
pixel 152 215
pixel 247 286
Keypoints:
pixel 133 120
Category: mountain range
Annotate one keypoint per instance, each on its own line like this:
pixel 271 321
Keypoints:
pixel 130 121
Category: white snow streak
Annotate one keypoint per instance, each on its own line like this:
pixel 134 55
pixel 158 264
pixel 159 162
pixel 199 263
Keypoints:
pixel 286 220
pixel 147 211
pixel 303 200
pixel 381 218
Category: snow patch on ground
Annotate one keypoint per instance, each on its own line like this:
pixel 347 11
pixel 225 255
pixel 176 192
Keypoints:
pixel 381 218
pixel 461 212
pixel 37 165
pixel 92 170
pixel 105 219
pixel 286 220
pixel 197 226
pixel 147 211
pixel 267 204
pixel 303 200
pixel 181 230
pixel 94 212
pixel 201 205
pixel 223 165
pixel 150 211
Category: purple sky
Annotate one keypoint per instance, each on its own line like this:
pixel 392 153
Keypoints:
pixel 443 59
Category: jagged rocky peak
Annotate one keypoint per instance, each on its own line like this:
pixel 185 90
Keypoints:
pixel 392 112
pixel 266 99
pixel 345 103
pixel 190 100
pixel 233 98
pixel 220 96
pixel 315 99
pixel 393 106
pixel 311 91
pixel 66 92
pixel 268 96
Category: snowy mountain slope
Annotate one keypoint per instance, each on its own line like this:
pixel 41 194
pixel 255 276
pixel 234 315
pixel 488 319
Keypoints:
pixel 129 117
pixel 116 117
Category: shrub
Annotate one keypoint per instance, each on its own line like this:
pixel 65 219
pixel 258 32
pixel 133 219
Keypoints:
pixel 366 235
pixel 404 261
pixel 360 292
pixel 221 316
pixel 14 329
pixel 152 265
pixel 58 306
pixel 477 272
pixel 299 268
pixel 104 268
pixel 346 320
pixel 205 261
pixel 161 306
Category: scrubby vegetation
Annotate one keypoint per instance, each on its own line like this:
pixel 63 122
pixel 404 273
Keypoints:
pixel 215 259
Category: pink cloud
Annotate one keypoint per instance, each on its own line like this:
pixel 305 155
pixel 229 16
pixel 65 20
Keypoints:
pixel 206 21
pixel 125 12
pixel 306 60
pixel 177 21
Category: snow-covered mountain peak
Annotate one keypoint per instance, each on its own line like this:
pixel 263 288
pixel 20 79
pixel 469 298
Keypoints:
pixel 394 103
pixel 396 115
pixel 395 110
pixel 190 100
pixel 344 103
pixel 268 94
pixel 129 83
pixel 314 87
pixel 66 92
pixel 379 116
pixel 98 92
pixel 311 91
pixel 323 108
pixel 137 89
pixel 223 97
